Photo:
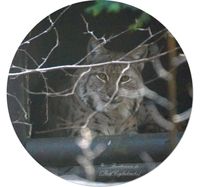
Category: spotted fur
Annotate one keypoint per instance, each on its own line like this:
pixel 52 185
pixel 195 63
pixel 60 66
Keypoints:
pixel 112 95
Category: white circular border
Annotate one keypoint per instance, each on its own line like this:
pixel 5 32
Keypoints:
pixel 17 168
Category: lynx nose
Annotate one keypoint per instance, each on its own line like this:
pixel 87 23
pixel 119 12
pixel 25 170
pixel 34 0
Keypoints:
pixel 111 91
pixel 114 99
pixel 111 94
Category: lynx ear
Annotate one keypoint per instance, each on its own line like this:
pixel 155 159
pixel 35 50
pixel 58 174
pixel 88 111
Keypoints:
pixel 94 49
pixel 139 53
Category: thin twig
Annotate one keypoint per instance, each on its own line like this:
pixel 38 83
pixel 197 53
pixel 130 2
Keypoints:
pixel 53 48
pixel 111 98
pixel 24 123
pixel 28 71
pixel 19 103
pixel 177 118
pixel 47 30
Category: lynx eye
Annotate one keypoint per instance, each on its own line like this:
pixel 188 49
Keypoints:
pixel 102 76
pixel 124 79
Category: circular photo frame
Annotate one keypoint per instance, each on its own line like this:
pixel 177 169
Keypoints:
pixel 100 92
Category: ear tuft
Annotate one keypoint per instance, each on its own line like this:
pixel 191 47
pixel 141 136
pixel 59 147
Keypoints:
pixel 94 49
pixel 95 46
pixel 139 53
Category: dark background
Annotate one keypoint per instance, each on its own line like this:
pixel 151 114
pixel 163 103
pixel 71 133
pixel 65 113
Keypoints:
pixel 73 47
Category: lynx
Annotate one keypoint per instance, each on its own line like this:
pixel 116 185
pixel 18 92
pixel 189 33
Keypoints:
pixel 107 98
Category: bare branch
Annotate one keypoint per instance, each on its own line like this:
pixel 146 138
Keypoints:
pixel 43 77
pixel 24 123
pixel 86 134
pixel 29 55
pixel 78 80
pixel 28 71
pixel 179 60
pixel 157 65
pixel 159 119
pixel 157 98
pixel 86 160
pixel 88 31
pixel 47 30
pixel 104 40
pixel 20 104
pixel 53 48
pixel 177 118
pixel 110 100
pixel 18 67
pixel 63 93
pixel 148 29
pixel 88 167
pixel 145 157
pixel 145 41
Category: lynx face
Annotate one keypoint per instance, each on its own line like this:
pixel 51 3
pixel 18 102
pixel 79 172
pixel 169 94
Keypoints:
pixel 108 87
